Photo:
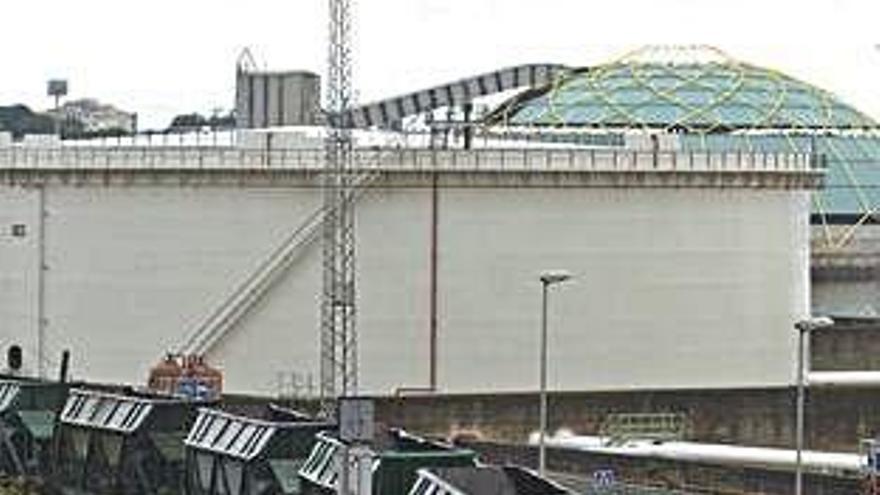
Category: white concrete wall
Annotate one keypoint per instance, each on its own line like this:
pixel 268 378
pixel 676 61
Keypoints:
pixel 675 287
pixel 138 268
pixel 19 273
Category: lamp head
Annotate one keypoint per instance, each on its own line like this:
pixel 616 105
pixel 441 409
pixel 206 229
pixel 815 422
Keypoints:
pixel 551 277
pixel 814 323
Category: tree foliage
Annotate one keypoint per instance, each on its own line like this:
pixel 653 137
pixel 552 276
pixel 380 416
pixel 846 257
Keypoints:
pixel 21 120
pixel 193 121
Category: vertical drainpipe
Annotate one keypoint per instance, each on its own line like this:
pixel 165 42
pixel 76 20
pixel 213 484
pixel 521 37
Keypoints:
pixel 435 200
pixel 41 279
pixel 432 291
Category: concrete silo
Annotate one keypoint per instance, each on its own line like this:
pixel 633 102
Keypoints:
pixel 682 208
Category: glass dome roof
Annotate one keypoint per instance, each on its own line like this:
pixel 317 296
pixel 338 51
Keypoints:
pixel 691 89
pixel 715 103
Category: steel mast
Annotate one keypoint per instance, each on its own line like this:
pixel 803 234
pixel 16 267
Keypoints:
pixel 338 366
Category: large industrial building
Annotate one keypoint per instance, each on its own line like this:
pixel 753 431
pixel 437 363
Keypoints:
pixel 677 186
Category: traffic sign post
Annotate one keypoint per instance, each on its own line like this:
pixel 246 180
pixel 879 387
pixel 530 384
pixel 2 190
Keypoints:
pixel 357 427
pixel 870 452
pixel 356 419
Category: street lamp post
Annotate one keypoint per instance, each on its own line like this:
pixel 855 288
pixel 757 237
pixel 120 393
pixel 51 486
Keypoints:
pixel 548 278
pixel 803 328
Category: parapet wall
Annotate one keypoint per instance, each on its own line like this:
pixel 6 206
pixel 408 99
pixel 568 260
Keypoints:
pixel 209 158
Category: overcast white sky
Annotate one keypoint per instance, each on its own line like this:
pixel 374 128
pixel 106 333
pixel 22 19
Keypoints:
pixel 163 57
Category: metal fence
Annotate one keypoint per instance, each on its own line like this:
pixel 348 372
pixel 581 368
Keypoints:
pixel 620 428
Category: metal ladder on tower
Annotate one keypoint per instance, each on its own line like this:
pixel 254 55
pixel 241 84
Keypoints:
pixel 250 290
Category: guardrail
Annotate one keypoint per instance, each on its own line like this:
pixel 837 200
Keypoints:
pixel 403 159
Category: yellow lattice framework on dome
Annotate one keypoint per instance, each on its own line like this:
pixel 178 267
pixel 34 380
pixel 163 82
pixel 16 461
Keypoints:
pixel 704 64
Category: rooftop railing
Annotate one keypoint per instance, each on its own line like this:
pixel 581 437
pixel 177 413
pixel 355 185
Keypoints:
pixel 403 160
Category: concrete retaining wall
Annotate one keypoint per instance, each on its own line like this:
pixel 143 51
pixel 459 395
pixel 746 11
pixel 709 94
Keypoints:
pixel 836 418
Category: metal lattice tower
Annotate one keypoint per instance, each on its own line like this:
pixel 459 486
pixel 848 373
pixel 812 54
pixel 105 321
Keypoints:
pixel 339 368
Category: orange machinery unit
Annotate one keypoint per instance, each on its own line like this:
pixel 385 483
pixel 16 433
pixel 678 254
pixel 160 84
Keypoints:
pixel 186 375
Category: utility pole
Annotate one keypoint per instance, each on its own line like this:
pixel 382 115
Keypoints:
pixel 803 328
pixel 547 278
pixel 338 363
